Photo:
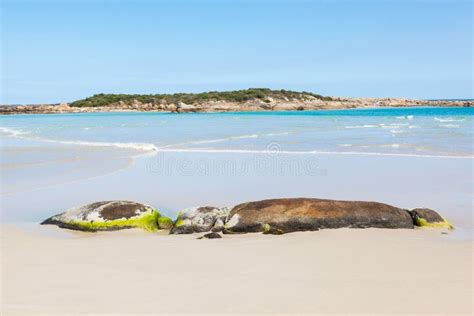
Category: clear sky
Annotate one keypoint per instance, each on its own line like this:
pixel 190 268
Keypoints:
pixel 55 51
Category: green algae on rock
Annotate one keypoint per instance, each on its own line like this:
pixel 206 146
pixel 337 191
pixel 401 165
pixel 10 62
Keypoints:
pixel 110 215
pixel 165 222
pixel 425 217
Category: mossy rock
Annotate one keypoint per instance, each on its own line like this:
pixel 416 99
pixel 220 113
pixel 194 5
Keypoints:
pixel 425 217
pixel 110 215
pixel 268 230
pixel 165 222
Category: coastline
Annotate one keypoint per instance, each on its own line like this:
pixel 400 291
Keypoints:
pixel 370 271
pixel 234 107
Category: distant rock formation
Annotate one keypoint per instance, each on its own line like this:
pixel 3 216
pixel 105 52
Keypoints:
pixel 225 101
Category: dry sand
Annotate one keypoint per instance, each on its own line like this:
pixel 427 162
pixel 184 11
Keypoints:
pixel 332 271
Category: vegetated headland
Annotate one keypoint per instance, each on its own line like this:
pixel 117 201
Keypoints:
pixel 254 99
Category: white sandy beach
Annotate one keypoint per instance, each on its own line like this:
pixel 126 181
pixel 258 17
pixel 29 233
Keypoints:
pixel 368 271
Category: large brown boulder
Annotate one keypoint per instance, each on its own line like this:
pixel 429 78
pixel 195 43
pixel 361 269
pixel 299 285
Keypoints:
pixel 301 214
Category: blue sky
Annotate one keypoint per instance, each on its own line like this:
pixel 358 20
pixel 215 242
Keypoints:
pixel 55 51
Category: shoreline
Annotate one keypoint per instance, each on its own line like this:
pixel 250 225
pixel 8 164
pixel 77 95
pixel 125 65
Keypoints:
pixel 234 107
pixel 327 179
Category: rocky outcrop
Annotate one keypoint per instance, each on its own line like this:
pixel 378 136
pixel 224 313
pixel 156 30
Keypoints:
pixel 200 219
pixel 111 215
pixel 301 103
pixel 302 214
pixel 274 217
pixel 183 107
pixel 425 217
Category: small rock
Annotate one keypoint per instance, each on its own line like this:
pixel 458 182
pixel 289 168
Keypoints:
pixel 211 236
pixel 218 225
pixel 425 217
pixel 273 231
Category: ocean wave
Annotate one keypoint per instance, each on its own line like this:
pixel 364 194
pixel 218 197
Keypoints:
pixel 27 136
pixel 450 125
pixel 361 126
pixel 311 152
pixel 218 140
pixel 387 126
pixel 407 117
pixel 394 125
pixel 276 134
pixel 396 131
pixel 448 119
pixel 225 139
pixel 137 146
pixel 12 132
pixel 392 145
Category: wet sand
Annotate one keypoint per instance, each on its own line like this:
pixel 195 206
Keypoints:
pixel 173 181
pixel 370 271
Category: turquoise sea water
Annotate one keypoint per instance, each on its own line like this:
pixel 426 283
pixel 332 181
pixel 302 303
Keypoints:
pixel 394 131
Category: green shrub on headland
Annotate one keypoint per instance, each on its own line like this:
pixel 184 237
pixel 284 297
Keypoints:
pixel 195 98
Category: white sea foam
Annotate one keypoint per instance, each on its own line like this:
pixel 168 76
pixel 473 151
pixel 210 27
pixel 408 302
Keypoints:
pixel 394 125
pixel 276 134
pixel 361 126
pixel 448 119
pixel 395 131
pixel 408 117
pixel 450 125
pixel 137 146
pixel 11 132
pixel 391 126
pixel 218 140
pixel 225 139
pixel 311 152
